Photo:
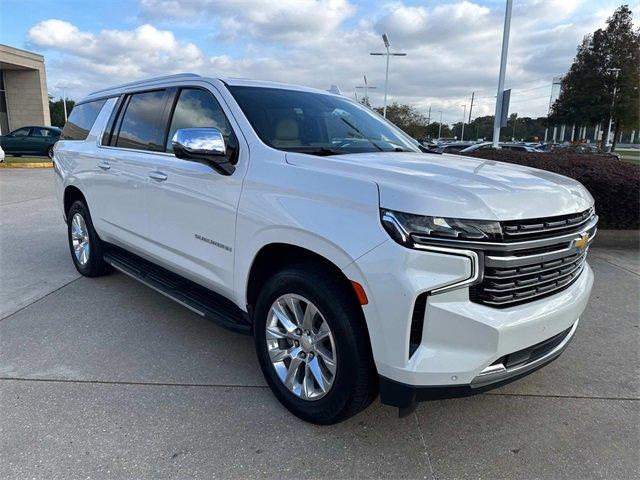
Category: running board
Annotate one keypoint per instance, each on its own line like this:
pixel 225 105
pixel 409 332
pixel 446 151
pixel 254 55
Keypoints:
pixel 196 298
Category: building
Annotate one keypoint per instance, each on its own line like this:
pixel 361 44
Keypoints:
pixel 23 89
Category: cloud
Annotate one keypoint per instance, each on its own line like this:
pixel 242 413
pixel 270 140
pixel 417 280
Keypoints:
pixel 273 20
pixel 412 26
pixel 453 48
pixel 123 53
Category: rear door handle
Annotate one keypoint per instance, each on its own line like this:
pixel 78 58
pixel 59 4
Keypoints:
pixel 159 176
pixel 104 166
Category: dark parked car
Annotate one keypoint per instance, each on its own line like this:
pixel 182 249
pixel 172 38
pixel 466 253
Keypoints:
pixel 452 147
pixel 30 141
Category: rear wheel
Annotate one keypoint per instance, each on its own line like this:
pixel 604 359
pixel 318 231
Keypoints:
pixel 87 249
pixel 50 152
pixel 313 345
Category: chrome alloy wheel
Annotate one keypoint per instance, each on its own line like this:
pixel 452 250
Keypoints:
pixel 301 347
pixel 80 239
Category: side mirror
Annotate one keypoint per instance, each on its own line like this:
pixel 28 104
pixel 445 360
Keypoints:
pixel 204 145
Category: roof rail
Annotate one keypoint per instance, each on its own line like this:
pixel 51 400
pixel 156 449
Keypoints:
pixel 148 80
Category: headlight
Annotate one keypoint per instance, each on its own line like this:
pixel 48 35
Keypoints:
pixel 407 229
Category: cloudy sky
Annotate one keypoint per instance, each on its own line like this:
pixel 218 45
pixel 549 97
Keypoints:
pixel 453 46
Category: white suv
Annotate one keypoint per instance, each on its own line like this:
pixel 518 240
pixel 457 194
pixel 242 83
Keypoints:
pixel 359 263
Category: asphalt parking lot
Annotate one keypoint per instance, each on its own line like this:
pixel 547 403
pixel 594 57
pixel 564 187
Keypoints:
pixel 105 378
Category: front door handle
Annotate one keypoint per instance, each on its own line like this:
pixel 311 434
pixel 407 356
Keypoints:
pixel 104 166
pixel 159 176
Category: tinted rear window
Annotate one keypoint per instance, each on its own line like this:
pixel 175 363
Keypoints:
pixel 81 120
pixel 141 128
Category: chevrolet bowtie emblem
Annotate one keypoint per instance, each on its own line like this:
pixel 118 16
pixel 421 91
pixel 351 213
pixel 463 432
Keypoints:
pixel 581 243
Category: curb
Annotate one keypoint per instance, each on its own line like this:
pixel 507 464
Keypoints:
pixel 627 239
pixel 26 165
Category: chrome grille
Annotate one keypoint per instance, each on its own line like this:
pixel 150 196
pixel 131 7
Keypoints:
pixel 517 231
pixel 509 286
pixel 548 258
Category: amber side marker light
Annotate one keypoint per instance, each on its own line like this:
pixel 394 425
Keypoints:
pixel 360 293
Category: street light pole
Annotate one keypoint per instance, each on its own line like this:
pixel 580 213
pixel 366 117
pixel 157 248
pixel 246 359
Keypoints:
pixel 64 104
pixel 366 87
pixel 554 81
pixel 503 69
pixel 464 114
pixel 388 54
pixel 615 71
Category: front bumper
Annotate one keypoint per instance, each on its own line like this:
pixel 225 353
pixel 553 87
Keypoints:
pixel 461 340
pixel 404 396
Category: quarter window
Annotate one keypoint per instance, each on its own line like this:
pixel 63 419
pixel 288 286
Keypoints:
pixel 141 124
pixel 199 109
pixel 81 120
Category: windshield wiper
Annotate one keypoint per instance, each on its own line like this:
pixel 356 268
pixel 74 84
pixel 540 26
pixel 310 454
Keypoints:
pixel 320 151
pixel 380 149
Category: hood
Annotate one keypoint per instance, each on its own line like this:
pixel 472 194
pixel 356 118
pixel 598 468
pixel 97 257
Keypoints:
pixel 457 186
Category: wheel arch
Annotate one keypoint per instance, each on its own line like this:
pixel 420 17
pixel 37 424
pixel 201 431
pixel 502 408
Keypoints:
pixel 275 256
pixel 71 195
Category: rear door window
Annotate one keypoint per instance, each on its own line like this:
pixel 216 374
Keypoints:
pixel 81 120
pixel 141 125
pixel 41 132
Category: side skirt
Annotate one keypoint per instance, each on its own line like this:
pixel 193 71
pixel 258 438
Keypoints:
pixel 196 298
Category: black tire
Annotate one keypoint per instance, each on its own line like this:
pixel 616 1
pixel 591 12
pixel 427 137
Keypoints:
pixel 355 382
pixel 95 266
pixel 17 154
pixel 50 152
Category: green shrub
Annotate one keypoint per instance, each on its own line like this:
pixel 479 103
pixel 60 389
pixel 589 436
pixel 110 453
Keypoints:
pixel 615 185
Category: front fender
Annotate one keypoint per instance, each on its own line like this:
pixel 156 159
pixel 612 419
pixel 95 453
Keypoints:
pixel 334 216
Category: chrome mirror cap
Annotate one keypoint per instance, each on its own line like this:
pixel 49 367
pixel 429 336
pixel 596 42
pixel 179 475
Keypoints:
pixel 199 141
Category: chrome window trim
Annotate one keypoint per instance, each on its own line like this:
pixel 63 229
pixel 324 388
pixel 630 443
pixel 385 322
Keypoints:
pixel 148 152
pixel 164 85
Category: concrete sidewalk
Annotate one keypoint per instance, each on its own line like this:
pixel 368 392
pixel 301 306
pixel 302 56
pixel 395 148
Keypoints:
pixel 105 378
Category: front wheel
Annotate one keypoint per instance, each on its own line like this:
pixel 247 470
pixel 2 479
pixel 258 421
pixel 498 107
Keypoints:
pixel 313 345
pixel 50 152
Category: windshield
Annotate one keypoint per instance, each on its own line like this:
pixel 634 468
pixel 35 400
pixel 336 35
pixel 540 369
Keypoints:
pixel 316 123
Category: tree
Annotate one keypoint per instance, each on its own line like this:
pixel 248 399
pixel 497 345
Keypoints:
pixel 56 110
pixel 586 95
pixel 365 101
pixel 407 118
pixel 434 128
